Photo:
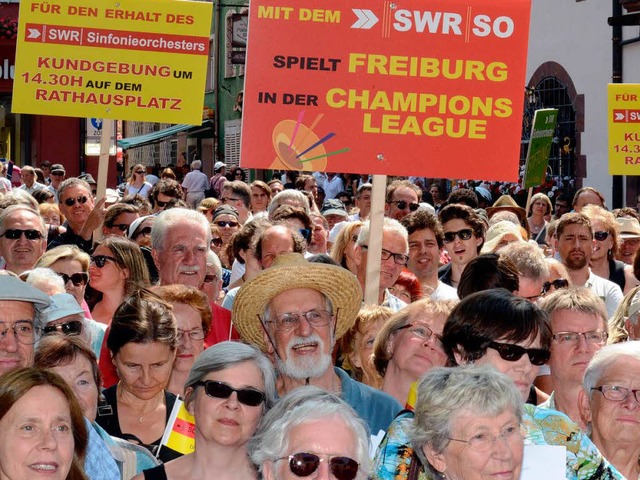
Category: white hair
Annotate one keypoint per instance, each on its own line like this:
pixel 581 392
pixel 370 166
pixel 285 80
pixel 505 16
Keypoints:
pixel 46 280
pixel 214 261
pixel 169 218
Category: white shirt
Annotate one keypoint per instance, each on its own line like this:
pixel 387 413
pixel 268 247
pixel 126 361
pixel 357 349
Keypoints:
pixel 333 187
pixel 444 292
pixel 195 182
pixel 608 291
pixel 34 187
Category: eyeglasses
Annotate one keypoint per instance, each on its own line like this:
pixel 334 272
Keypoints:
pixel 420 330
pixel 306 233
pixel 79 278
pixel 69 328
pixel 216 242
pixel 227 199
pixel 464 234
pixel 557 283
pixel 209 278
pixel 101 260
pixel 246 396
pixel 70 202
pixel 15 234
pixel 123 227
pixel 195 334
pixel 398 258
pixel 145 231
pixel 484 442
pixel 402 205
pixel 222 224
pixel 161 204
pixel 305 464
pixel 288 321
pixel 616 393
pixel 601 236
pixel 594 337
pixel 23 331
pixel 513 353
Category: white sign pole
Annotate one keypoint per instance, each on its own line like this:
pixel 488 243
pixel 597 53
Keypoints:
pixel 374 250
pixel 103 167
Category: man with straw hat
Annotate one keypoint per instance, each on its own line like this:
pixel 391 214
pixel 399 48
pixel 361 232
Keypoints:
pixel 296 311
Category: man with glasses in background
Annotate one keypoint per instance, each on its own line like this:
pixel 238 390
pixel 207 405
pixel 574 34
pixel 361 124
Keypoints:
pixel 238 194
pixel 23 238
pixel 295 311
pixel 56 178
pixel 395 256
pixel 579 327
pixel 402 197
pixel 463 234
pixel 82 215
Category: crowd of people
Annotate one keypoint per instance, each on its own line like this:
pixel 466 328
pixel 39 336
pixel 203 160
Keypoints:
pixel 497 328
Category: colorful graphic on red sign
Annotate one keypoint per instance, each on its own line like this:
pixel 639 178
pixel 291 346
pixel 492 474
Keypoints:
pixel 421 87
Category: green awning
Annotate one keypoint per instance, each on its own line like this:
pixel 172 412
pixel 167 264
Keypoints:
pixel 155 137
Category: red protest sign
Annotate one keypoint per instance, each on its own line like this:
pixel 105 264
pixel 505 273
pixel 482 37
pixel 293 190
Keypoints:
pixel 420 87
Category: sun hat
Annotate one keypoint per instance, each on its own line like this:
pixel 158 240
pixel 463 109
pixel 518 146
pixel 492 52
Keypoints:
pixel 629 227
pixel 12 288
pixel 506 202
pixel 62 305
pixel 289 271
pixel 497 232
pixel 225 210
pixel 333 207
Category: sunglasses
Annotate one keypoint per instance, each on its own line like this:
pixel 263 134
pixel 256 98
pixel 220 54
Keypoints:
pixel 227 224
pixel 162 204
pixel 305 464
pixel 123 227
pixel 15 234
pixel 79 278
pixel 101 260
pixel 209 278
pixel 464 234
pixel 139 172
pixel 216 242
pixel 513 353
pixel 69 328
pixel 558 283
pixel 246 396
pixel 145 231
pixel 601 236
pixel 306 234
pixel 402 205
pixel 70 202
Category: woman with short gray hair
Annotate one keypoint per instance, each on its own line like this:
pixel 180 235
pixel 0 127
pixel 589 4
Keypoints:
pixel 311 431
pixel 610 405
pixel 230 386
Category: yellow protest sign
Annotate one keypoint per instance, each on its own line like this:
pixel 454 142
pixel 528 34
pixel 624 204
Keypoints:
pixel 140 60
pixel 624 129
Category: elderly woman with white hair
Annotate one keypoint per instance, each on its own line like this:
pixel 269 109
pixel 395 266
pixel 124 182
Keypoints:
pixel 466 426
pixel 311 432
pixel 230 387
pixel 610 405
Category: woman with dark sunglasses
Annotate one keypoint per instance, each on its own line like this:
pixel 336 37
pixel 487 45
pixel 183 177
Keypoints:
pixel 137 184
pixel 230 387
pixel 607 242
pixel 511 335
pixel 311 433
pixel 117 268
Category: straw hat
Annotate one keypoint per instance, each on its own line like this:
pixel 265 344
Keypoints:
pixel 497 232
pixel 506 202
pixel 629 227
pixel 291 271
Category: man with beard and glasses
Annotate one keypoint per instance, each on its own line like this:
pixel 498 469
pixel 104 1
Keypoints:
pixel 575 246
pixel 296 311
